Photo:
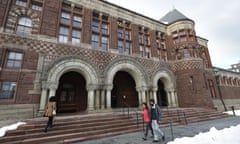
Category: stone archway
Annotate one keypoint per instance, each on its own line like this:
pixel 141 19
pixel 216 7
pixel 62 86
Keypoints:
pixel 134 69
pixel 124 91
pixel 65 65
pixel 164 84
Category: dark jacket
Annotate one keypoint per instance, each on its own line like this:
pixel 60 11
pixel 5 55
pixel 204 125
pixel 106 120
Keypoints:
pixel 155 112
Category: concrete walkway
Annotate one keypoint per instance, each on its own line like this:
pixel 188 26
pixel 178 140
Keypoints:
pixel 178 131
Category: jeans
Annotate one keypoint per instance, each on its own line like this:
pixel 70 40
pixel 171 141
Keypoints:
pixel 156 130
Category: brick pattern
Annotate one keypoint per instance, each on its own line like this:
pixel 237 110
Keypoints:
pixel 187 64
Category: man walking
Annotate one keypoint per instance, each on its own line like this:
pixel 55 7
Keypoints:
pixel 155 115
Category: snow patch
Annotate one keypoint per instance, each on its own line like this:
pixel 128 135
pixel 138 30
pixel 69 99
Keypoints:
pixel 4 129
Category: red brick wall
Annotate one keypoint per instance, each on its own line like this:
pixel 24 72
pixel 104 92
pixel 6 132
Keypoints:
pixel 153 43
pixel 229 92
pixel 193 94
pixel 24 76
pixel 87 31
pixel 135 43
pixel 50 17
pixel 113 33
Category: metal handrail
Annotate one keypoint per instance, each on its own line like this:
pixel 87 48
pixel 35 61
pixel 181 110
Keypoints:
pixel 128 107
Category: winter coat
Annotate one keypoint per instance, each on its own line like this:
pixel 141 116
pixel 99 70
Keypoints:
pixel 145 114
pixel 155 112
pixel 49 109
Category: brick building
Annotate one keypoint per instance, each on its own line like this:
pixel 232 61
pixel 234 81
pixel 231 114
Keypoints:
pixel 91 54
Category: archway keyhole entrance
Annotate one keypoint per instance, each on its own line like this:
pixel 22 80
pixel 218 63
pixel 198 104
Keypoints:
pixel 71 93
pixel 124 91
pixel 161 94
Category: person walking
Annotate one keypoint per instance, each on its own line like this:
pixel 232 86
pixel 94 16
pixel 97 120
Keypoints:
pixel 155 115
pixel 50 112
pixel 147 121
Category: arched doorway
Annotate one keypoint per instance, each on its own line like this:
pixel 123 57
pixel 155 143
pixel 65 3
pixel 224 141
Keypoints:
pixel 124 85
pixel 161 94
pixel 71 93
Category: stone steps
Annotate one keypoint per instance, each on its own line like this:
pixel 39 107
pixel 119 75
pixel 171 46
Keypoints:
pixel 76 128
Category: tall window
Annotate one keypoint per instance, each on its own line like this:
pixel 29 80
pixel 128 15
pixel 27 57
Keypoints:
pixel 147 52
pixel 24 26
pixel 7 90
pixel 186 53
pixel 104 43
pixel 63 34
pixel 94 41
pixel 144 42
pixel 65 18
pixel 120 46
pixel 160 42
pixel 70 24
pixel 100 34
pixel 124 37
pixel 14 60
pixel 141 51
pixel 76 34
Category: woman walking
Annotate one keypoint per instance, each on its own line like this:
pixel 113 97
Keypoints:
pixel 147 121
pixel 50 112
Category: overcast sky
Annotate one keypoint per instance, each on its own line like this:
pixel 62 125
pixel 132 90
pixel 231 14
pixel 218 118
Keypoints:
pixel 218 21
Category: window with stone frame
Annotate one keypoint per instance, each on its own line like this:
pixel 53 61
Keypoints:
pixel 22 3
pixel 35 5
pixel 7 90
pixel 100 31
pixel 70 24
pixel 24 26
pixel 14 60
pixel 186 53
pixel 124 36
pixel 144 42
pixel 160 43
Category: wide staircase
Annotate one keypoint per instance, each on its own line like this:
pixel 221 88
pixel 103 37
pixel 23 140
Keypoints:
pixel 82 127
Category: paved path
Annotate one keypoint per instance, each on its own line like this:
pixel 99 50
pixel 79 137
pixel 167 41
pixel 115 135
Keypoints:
pixel 178 131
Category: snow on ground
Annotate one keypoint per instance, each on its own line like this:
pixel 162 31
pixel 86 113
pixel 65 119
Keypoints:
pixel 214 136
pixel 237 112
pixel 4 129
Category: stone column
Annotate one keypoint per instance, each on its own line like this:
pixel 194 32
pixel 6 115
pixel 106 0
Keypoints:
pixel 90 100
pixel 169 99
pixel 140 97
pixel 175 99
pixel 143 96
pixel 103 99
pixel 97 99
pixel 108 96
pixel 43 100
pixel 155 95
pixel 108 99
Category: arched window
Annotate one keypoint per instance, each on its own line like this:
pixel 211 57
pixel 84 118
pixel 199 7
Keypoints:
pixel 24 26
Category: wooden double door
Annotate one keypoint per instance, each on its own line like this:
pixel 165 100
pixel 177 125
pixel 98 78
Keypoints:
pixel 71 93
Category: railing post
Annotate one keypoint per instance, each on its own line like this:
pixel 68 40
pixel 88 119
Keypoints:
pixel 184 114
pixel 232 107
pixel 171 127
pixel 178 116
